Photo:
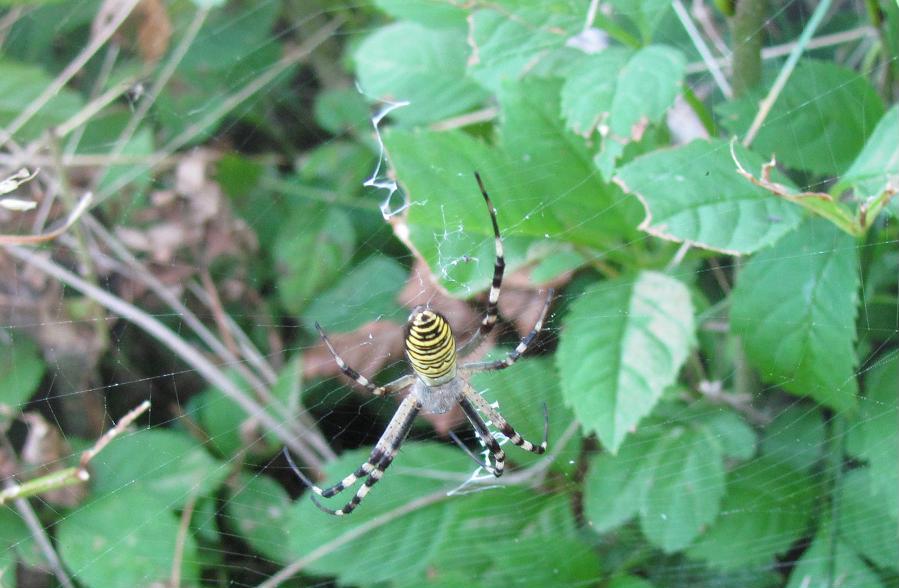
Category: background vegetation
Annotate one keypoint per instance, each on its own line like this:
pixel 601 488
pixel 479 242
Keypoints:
pixel 203 181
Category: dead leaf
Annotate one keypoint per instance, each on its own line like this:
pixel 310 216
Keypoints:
pixel 154 30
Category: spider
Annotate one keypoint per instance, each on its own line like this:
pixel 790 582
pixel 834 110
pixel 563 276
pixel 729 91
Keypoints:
pixel 437 384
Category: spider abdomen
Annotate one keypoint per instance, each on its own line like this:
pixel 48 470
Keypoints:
pixel 431 347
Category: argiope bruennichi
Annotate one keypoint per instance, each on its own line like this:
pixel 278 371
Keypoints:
pixel 437 384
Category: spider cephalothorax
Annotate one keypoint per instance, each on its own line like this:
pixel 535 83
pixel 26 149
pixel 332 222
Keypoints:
pixel 437 384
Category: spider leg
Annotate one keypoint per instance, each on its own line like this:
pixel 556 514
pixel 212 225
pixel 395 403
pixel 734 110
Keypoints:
pixel 515 354
pixel 394 386
pixel 503 425
pixel 480 427
pixel 381 457
pixel 469 453
pixel 498 268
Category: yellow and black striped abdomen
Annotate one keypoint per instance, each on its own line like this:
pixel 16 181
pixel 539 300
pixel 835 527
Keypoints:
pixel 430 347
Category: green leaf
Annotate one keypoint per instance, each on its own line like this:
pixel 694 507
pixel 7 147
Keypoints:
pixel 413 539
pixel 865 522
pixel 347 306
pixel 624 91
pixel 16 542
pixel 736 437
pixel 125 539
pixel 538 207
pixel 623 343
pixel 485 523
pixel 507 45
pixel 817 563
pixel 539 561
pixel 616 484
pixel 557 166
pixel 21 370
pixel 767 507
pixel 158 462
pixel 794 308
pixel 693 193
pixel 590 88
pixel 257 507
pixel 311 250
pixel 20 85
pixel 233 46
pixel 795 437
pixel 685 490
pixel 521 391
pixel 820 121
pixel 406 61
pixel 873 435
pixel 425 12
pixel 629 582
pixel 341 110
pixel 878 161
pixel 646 14
pixel 223 420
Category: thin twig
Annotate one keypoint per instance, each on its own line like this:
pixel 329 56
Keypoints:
pixel 704 17
pixel 189 354
pixel 164 76
pixel 75 66
pixel 136 271
pixel 43 541
pixel 73 475
pixel 112 433
pixel 740 402
pixel 218 311
pixel 776 51
pixel 464 120
pixel 181 540
pixel 768 102
pixel 49 236
pixel 247 348
pixel 702 48
pixel 94 106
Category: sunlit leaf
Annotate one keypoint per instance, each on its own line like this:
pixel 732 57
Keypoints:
pixel 405 61
pixel 693 193
pixel 878 161
pixel 622 343
pixel 505 46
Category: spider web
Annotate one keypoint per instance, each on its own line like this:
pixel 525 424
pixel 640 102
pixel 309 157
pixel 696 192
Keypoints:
pixel 200 482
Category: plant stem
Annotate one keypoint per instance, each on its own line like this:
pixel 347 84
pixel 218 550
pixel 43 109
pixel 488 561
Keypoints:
pixel 746 32
pixel 786 71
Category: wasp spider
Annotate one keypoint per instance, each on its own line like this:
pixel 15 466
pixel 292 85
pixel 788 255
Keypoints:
pixel 438 383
